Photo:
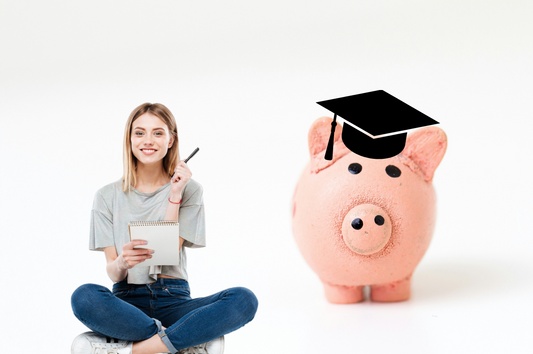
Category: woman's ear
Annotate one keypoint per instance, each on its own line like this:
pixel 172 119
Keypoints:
pixel 172 138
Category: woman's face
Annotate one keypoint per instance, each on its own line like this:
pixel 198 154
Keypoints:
pixel 150 139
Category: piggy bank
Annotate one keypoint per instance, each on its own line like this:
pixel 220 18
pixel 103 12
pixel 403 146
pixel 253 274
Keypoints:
pixel 360 221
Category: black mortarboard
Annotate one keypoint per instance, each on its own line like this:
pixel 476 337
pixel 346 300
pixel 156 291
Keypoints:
pixel 382 120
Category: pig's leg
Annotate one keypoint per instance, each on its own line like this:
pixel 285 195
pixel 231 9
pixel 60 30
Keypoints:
pixel 340 294
pixel 396 291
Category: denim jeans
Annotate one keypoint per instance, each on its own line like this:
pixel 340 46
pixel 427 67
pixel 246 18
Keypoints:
pixel 135 312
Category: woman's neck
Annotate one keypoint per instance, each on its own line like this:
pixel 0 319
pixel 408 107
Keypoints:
pixel 150 177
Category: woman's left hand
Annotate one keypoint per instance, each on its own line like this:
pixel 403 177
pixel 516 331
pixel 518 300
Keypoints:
pixel 182 174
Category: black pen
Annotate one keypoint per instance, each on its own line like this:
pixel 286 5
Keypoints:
pixel 191 155
pixel 187 159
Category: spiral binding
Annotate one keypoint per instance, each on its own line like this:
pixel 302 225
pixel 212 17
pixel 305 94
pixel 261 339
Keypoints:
pixel 153 223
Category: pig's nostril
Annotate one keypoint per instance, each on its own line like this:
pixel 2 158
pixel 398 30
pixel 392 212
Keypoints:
pixel 357 223
pixel 379 220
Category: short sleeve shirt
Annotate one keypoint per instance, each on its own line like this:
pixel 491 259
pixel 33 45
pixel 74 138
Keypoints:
pixel 113 209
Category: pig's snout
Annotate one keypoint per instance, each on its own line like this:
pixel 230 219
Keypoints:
pixel 366 229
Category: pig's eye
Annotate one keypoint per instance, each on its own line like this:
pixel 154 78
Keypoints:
pixel 393 171
pixel 355 168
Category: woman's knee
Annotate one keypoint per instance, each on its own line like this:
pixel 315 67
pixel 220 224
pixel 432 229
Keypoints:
pixel 246 302
pixel 85 297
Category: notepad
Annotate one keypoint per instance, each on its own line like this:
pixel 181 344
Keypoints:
pixel 162 236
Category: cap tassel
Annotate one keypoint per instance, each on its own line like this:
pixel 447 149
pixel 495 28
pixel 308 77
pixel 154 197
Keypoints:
pixel 329 149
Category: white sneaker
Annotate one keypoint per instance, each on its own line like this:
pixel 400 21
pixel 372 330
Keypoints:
pixel 92 343
pixel 215 346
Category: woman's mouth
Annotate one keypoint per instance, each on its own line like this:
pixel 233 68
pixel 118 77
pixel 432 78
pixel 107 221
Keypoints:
pixel 148 151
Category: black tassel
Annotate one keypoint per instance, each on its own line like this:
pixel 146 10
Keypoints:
pixel 329 149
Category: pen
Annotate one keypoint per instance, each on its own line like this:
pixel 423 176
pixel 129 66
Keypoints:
pixel 173 179
pixel 191 155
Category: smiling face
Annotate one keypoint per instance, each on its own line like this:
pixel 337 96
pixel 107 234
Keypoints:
pixel 150 139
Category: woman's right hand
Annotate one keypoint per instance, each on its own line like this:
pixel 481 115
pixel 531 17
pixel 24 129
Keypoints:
pixel 131 257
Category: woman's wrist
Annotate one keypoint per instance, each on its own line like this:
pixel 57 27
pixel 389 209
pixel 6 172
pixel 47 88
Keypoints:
pixel 122 265
pixel 175 198
pixel 171 202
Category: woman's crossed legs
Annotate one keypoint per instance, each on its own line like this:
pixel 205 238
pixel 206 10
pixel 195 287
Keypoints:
pixel 140 313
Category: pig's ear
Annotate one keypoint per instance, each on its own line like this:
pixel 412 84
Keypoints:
pixel 426 148
pixel 318 141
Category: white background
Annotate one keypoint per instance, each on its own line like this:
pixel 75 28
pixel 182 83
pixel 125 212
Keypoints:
pixel 242 78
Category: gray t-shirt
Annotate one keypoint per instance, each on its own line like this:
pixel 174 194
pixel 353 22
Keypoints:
pixel 113 209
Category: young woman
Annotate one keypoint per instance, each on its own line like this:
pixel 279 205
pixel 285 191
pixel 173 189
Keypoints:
pixel 150 309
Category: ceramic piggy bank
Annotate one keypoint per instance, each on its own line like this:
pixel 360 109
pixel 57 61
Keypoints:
pixel 360 221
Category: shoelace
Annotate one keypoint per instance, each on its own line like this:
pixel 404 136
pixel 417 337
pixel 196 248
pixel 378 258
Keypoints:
pixel 197 349
pixel 104 351
pixel 100 350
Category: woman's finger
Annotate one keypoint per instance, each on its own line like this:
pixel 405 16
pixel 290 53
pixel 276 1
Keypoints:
pixel 137 252
pixel 129 246
pixel 181 176
pixel 139 258
pixel 183 172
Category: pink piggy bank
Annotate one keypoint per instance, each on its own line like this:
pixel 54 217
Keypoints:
pixel 360 221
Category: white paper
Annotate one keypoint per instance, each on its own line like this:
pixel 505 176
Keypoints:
pixel 163 239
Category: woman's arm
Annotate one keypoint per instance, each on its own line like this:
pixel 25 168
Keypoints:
pixel 179 180
pixel 113 268
pixel 173 213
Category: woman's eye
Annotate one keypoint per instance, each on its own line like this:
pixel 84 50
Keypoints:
pixel 355 168
pixel 158 133
pixel 393 171
pixel 138 133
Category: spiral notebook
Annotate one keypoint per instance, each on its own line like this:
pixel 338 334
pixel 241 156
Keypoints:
pixel 163 237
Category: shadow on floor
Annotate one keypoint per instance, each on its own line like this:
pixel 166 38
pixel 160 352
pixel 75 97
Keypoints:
pixel 467 278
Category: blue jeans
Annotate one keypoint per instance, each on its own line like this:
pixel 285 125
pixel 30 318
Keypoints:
pixel 136 312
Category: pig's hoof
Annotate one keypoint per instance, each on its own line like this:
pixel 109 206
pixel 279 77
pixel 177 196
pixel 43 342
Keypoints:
pixel 391 292
pixel 340 294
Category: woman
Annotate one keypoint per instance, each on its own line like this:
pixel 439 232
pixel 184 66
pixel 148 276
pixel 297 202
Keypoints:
pixel 150 309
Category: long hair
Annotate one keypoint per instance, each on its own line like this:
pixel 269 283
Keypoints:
pixel 171 159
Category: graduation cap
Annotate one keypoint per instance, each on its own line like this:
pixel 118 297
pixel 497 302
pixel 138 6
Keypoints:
pixel 377 123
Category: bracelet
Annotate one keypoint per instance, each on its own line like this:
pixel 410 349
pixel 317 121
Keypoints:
pixel 173 202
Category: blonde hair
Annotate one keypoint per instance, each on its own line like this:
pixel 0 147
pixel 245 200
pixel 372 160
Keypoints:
pixel 171 159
